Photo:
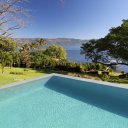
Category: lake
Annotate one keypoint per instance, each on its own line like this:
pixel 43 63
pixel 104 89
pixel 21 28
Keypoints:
pixel 73 54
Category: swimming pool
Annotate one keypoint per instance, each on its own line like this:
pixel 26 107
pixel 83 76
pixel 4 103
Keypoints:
pixel 58 101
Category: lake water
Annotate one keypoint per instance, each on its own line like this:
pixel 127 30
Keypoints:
pixel 73 54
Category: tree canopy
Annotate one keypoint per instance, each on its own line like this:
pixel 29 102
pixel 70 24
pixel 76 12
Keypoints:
pixel 113 46
pixel 7 45
pixel 56 52
pixel 12 16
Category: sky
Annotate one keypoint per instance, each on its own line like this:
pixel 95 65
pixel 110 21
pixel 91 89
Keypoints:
pixel 80 19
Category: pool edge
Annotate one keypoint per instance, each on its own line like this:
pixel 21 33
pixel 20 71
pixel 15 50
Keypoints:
pixel 66 76
pixel 125 86
pixel 24 81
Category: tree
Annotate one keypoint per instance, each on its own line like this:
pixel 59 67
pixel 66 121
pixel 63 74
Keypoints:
pixel 7 45
pixel 41 42
pixel 33 46
pixel 41 60
pixel 90 50
pixel 5 60
pixel 56 52
pixel 12 16
pixel 16 58
pixel 27 51
pixel 37 45
pixel 25 56
pixel 113 46
pixel 51 57
pixel 37 58
pixel 117 42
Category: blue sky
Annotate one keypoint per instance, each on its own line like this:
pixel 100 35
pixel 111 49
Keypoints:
pixel 83 19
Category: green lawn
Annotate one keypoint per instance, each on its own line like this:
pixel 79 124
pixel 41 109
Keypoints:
pixel 24 74
pixel 7 78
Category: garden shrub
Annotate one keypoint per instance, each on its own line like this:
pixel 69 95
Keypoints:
pixel 105 77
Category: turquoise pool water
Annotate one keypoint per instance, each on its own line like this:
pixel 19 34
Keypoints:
pixel 57 102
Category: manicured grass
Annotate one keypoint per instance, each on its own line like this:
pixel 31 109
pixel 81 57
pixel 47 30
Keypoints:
pixel 7 78
pixel 20 74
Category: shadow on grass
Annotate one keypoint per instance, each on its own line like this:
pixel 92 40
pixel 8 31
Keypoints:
pixel 114 100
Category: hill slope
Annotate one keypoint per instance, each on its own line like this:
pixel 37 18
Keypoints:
pixel 58 41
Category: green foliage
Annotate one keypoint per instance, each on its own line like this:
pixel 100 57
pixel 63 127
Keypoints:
pixel 34 46
pixel 26 54
pixel 100 66
pixel 39 59
pixel 67 65
pixel 7 45
pixel 105 77
pixel 25 57
pixel 5 60
pixel 122 72
pixel 53 57
pixel 56 52
pixel 90 51
pixel 16 59
pixel 42 42
pixel 113 45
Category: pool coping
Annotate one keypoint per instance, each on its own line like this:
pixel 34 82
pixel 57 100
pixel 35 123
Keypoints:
pixel 124 86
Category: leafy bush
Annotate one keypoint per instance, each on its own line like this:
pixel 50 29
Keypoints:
pixel 105 77
pixel 56 52
pixel 122 72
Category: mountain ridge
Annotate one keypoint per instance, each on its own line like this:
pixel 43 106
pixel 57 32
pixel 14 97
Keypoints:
pixel 58 41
